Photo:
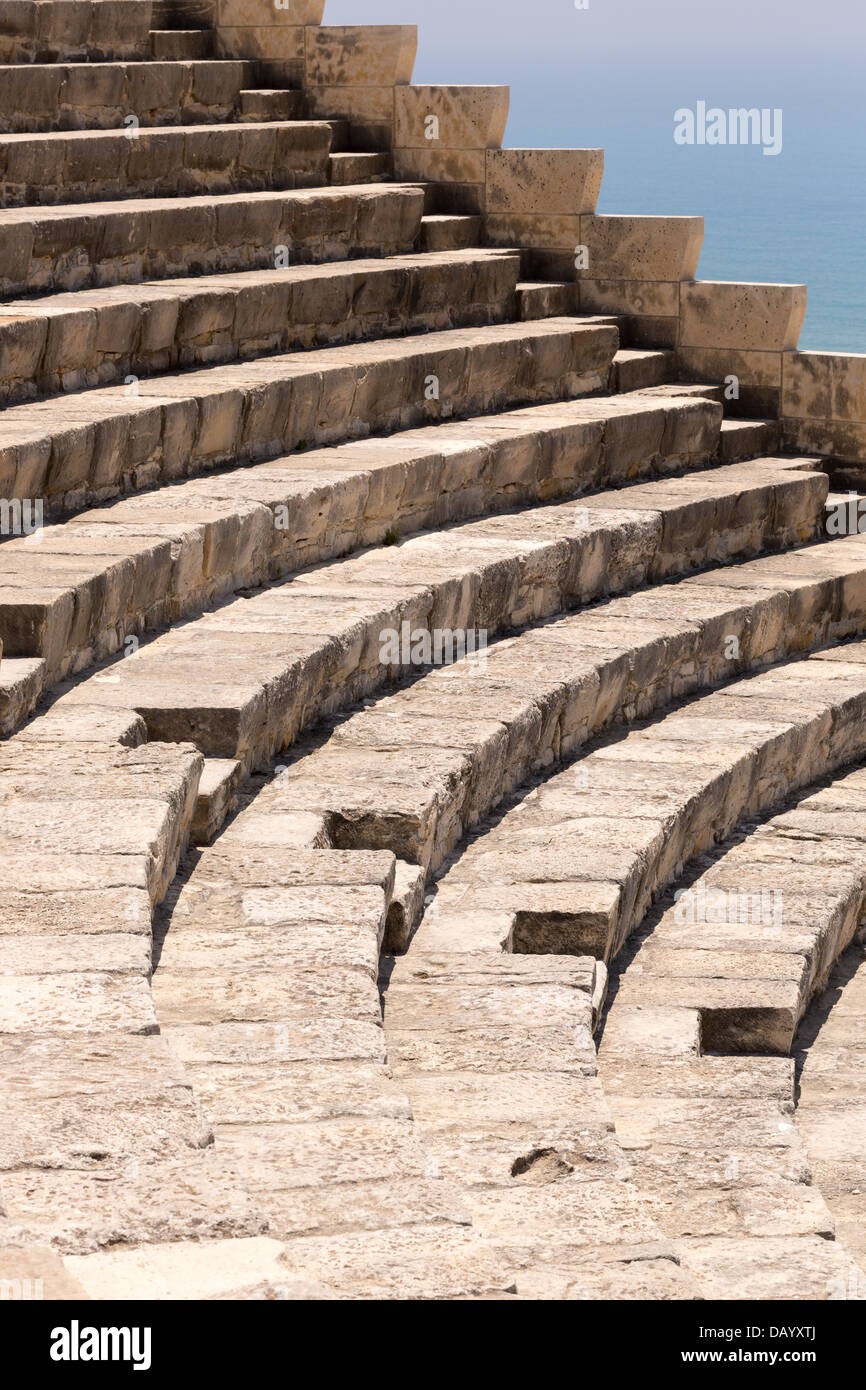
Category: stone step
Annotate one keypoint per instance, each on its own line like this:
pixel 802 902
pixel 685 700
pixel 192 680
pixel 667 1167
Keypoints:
pixel 575 874
pixel 450 232
pixel 89 165
pixel 158 429
pixel 92 337
pixel 385 603
pixel 341 134
pixel 22 684
pixel 316 643
pixel 216 798
pixel 70 247
pixel 707 392
pixel 206 1019
pixel 181 44
pixel 774 1211
pixel 728 965
pixel 102 96
pixel 149 793
pixel 319 1130
pixel 545 299
pixel 411 1260
pixel 352 168
pixel 756 928
pixel 60 1206
pixel 271 104
pixel 742 439
pixel 153 559
pixel 57 31
pixel 452 770
pixel 639 368
pixel 455 1023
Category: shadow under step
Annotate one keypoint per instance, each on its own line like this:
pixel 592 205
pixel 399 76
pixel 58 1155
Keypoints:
pixel 181 43
pixel 351 168
pixel 272 104
pixel 546 299
pixel 635 369
pixel 449 232
pixel 745 439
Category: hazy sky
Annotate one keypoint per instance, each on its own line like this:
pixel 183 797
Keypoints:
pixel 573 71
pixel 613 75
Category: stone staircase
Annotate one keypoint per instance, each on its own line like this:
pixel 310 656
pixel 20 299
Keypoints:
pixel 416 596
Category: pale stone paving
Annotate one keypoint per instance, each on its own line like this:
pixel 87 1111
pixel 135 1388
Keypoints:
pixel 709 1143
pixel 730 969
pixel 830 1112
pixel 100 1121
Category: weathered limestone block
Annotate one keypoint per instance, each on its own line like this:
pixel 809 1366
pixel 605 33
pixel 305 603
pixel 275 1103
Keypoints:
pixel 21 685
pixel 548 183
pixel 78 166
pixel 486 368
pixel 406 907
pixel 273 44
pixel 230 232
pixel 749 317
pixel 216 797
pixel 824 403
pixel 740 330
pixel 106 334
pixel 56 30
pixel 634 267
pixel 230 541
pixel 351 71
pixel 81 1212
pixel 183 1269
pixel 642 248
pixel 463 118
pixel 441 135
pixel 792 1268
pixel 369 55
pixel 28 92
pixel 830 1113
pixel 535 199
pixel 371 109
pixel 191 14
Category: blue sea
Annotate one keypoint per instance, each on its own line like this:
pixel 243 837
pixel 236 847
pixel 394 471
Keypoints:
pixel 613 76
pixel 798 217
